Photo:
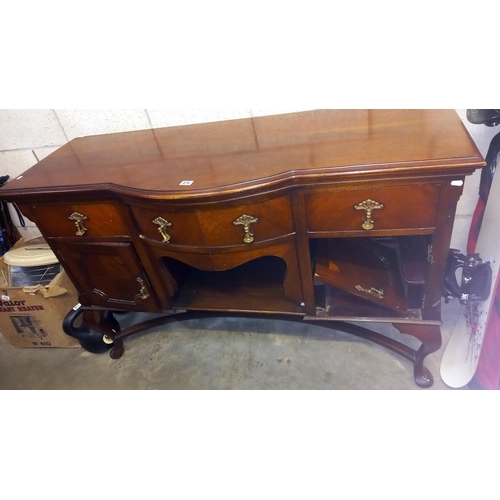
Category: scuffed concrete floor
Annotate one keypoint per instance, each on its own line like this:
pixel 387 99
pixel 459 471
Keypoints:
pixel 221 354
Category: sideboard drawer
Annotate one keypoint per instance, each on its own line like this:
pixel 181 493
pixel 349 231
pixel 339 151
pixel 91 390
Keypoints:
pixel 79 219
pixel 224 225
pixel 168 225
pixel 365 210
pixel 246 224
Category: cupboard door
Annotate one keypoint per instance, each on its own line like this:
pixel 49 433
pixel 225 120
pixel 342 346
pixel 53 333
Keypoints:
pixel 108 274
pixel 363 267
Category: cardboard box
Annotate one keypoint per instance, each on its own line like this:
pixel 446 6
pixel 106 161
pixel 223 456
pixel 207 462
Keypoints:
pixel 32 316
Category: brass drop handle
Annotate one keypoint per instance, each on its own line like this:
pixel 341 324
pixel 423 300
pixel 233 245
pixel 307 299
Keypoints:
pixel 143 292
pixel 369 206
pixel 245 221
pixel 372 291
pixel 163 223
pixel 78 220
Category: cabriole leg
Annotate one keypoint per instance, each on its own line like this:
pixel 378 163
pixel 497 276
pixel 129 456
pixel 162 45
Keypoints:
pixel 430 336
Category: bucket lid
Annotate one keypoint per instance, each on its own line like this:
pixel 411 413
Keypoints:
pixel 30 255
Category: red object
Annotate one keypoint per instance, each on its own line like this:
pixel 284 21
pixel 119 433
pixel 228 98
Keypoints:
pixel 477 220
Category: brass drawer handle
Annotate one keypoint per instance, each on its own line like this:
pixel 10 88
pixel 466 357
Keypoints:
pixel 143 292
pixel 163 223
pixel 369 206
pixel 245 221
pixel 372 291
pixel 78 219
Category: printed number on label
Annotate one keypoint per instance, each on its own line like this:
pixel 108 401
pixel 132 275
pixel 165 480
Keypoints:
pixel 77 307
pixel 186 183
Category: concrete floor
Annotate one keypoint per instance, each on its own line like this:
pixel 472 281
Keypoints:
pixel 225 354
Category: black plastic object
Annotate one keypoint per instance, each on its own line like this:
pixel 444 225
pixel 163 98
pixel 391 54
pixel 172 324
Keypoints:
pixel 488 172
pixel 7 238
pixel 488 117
pixel 453 264
pixel 91 340
pixel 476 281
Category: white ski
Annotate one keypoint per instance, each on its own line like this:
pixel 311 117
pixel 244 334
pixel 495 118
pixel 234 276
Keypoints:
pixel 461 355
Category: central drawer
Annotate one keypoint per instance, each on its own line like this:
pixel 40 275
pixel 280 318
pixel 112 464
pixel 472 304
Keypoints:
pixel 218 226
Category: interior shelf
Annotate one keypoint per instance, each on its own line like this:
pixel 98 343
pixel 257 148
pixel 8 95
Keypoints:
pixel 338 305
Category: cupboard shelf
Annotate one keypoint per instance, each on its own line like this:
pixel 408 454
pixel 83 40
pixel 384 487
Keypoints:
pixel 256 286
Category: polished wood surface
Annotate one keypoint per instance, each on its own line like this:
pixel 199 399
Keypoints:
pixel 241 155
pixel 404 208
pixel 329 215
pixel 101 219
pixel 107 274
pixel 213 226
pixel 362 267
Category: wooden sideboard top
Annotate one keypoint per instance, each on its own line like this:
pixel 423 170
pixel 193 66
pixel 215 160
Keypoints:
pixel 238 155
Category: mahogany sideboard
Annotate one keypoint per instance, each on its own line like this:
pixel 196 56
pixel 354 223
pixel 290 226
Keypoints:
pixel 337 217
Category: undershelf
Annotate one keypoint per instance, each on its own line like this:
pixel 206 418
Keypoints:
pixel 253 287
pixel 336 305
